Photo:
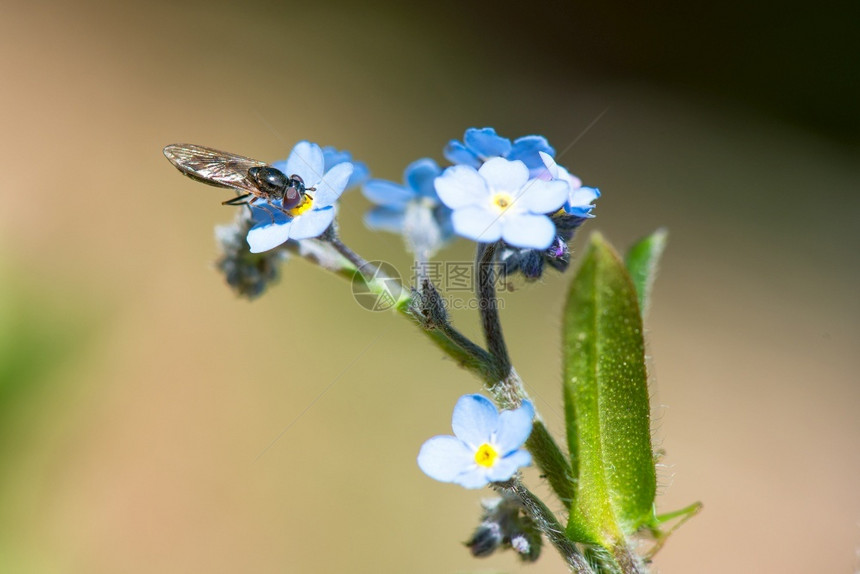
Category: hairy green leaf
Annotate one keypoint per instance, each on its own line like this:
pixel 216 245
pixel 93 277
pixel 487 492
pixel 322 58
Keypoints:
pixel 642 260
pixel 606 402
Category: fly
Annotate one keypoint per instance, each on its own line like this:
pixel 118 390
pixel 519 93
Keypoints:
pixel 251 178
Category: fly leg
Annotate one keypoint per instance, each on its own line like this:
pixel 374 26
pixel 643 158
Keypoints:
pixel 239 200
pixel 242 200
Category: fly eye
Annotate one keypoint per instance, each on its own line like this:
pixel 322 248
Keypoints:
pixel 292 197
pixel 298 183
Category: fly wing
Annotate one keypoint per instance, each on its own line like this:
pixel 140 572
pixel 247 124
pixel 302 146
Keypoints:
pixel 213 167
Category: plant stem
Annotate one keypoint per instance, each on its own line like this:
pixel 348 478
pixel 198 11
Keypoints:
pixel 628 560
pixel 454 344
pixel 330 236
pixel 507 390
pixel 547 523
pixel 488 306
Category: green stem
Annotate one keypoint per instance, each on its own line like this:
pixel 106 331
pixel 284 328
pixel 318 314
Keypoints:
pixel 508 391
pixel 454 344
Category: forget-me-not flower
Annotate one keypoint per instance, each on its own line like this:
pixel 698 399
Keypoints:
pixel 311 217
pixel 481 144
pixel 580 198
pixel 412 209
pixel 486 446
pixel 500 201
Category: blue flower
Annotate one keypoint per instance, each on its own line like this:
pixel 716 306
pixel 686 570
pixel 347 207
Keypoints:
pixel 530 263
pixel 579 201
pixel 499 201
pixel 479 145
pixel 413 209
pixel 485 447
pixel 311 217
pixel 360 171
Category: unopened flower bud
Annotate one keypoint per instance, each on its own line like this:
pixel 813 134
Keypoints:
pixel 504 525
pixel 248 274
pixel 484 541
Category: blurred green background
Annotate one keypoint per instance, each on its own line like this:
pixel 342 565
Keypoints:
pixel 136 393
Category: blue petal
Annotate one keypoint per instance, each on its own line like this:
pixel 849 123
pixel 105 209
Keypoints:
pixel 268 213
pixel 461 185
pixel 548 171
pixel 477 223
pixel 541 196
pixel 580 199
pixel 444 458
pixel 583 195
pixel 458 154
pixel 475 477
pixel 385 219
pixel 419 176
pixel 265 236
pixel 485 143
pixel 474 420
pixel 505 467
pixel 360 174
pixel 528 407
pixel 332 157
pixel 312 223
pixel 529 230
pixel 387 193
pixel 527 148
pixel 514 428
pixel 580 211
pixel 332 185
pixel 306 160
pixel 501 174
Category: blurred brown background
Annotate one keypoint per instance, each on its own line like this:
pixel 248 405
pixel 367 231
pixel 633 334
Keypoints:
pixel 137 393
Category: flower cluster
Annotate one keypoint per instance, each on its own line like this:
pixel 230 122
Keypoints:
pixel 498 190
pixel 504 525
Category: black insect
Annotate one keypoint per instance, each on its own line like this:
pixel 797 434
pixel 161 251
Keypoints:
pixel 253 179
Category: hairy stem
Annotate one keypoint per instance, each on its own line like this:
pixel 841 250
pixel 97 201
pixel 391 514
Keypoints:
pixel 488 306
pixel 330 236
pixel 507 389
pixel 547 523
pixel 466 353
pixel 628 560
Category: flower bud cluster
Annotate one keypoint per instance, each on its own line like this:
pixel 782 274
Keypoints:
pixel 504 526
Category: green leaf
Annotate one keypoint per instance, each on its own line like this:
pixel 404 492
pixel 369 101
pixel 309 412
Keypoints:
pixel 642 260
pixel 606 402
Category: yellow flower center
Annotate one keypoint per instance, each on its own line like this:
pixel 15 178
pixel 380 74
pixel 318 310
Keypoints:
pixel 502 200
pixel 486 455
pixel 306 204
